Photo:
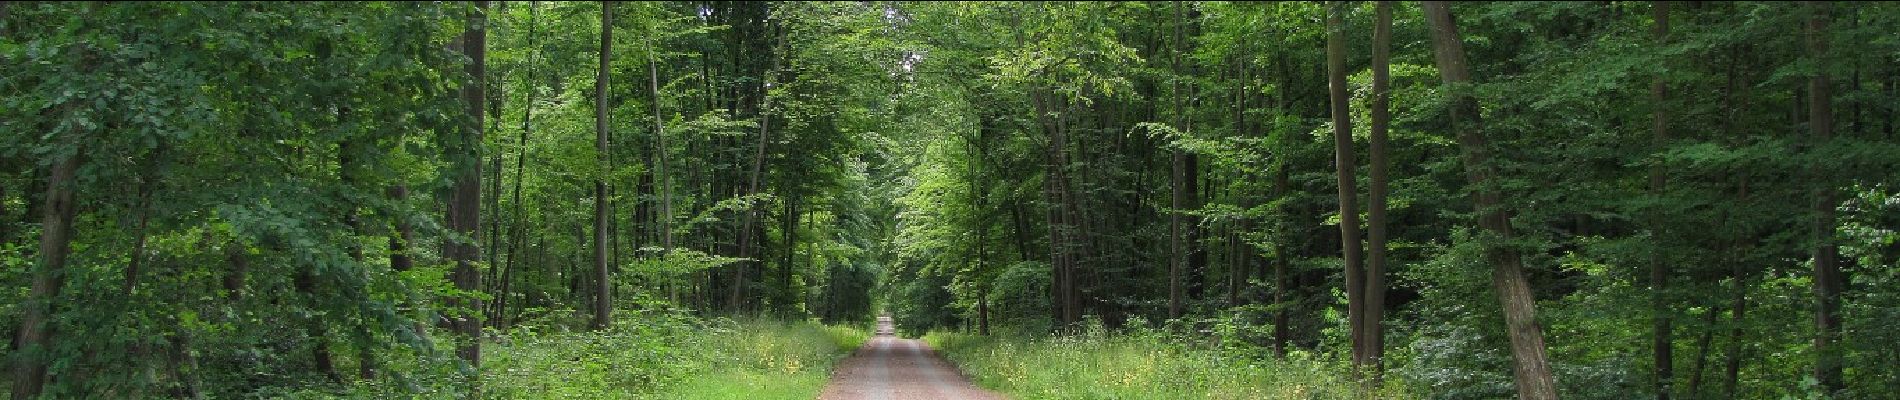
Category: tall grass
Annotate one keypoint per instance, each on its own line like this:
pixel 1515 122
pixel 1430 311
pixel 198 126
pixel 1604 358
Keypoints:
pixel 770 360
pixel 644 356
pixel 1141 365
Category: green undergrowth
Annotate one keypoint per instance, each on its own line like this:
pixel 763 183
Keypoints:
pixel 644 356
pixel 679 359
pixel 770 360
pixel 1140 364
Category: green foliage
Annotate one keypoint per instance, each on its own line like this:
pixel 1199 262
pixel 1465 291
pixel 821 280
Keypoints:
pixel 654 355
pixel 1142 364
pixel 1020 298
pixel 954 165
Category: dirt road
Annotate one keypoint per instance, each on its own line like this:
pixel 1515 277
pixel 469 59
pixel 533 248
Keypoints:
pixel 889 368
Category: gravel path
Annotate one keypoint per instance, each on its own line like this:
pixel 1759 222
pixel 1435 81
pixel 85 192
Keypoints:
pixel 888 368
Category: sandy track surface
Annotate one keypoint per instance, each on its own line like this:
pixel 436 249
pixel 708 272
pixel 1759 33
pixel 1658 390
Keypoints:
pixel 889 368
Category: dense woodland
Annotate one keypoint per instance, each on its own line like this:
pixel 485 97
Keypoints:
pixel 1472 200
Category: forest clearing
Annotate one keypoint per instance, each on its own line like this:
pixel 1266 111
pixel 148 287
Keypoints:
pixel 895 200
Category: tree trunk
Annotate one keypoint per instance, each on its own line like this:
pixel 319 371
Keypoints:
pixel 1702 351
pixel 603 282
pixel 305 283
pixel 1738 310
pixel 464 200
pixel 1178 179
pixel 517 224
pixel 238 257
pixel 1054 164
pixel 1282 283
pixel 746 235
pixel 1071 215
pixel 37 334
pixel 1240 253
pixel 146 181
pixel 1828 282
pixel 788 231
pixel 1344 162
pixel 1531 366
pixel 353 227
pixel 1374 318
pixel 659 148
pixel 6 224
pixel 1195 182
pixel 1662 332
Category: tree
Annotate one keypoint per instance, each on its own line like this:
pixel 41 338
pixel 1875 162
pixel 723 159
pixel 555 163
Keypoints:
pixel 660 149
pixel 1345 163
pixel 36 332
pixel 1828 282
pixel 463 206
pixel 1662 332
pixel 1531 366
pixel 1182 182
pixel 1373 321
pixel 603 289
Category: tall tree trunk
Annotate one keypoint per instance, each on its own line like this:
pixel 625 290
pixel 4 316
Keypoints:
pixel 518 227
pixel 1178 199
pixel 347 172
pixel 1738 310
pixel 1735 105
pixel 146 180
pixel 1828 282
pixel 6 224
pixel 1702 351
pixel 1374 318
pixel 1239 250
pixel 464 200
pixel 1282 263
pixel 1282 280
pixel 36 334
pixel 305 283
pixel 747 235
pixel 1060 229
pixel 788 232
pixel 399 243
pixel 238 256
pixel 1193 180
pixel 979 199
pixel 1071 215
pixel 603 282
pixel 1344 162
pixel 660 176
pixel 1662 334
pixel 1531 366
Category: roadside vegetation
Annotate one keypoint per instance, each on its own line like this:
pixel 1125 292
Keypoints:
pixel 1145 363
pixel 659 355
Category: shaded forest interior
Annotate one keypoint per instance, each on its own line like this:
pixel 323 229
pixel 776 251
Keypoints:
pixel 1464 200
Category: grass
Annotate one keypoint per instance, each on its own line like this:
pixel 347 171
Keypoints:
pixel 770 360
pixel 652 356
pixel 751 385
pixel 1140 365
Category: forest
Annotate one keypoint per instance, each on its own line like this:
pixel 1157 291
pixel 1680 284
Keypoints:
pixel 1067 200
